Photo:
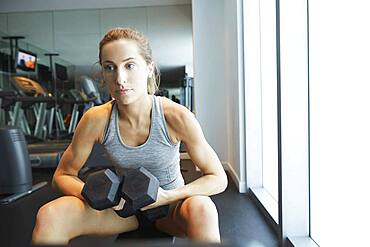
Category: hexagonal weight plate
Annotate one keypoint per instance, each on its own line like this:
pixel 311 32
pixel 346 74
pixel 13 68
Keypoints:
pixel 101 188
pixel 139 188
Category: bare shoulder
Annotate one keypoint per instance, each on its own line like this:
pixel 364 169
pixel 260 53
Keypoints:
pixel 94 120
pixel 98 114
pixel 179 118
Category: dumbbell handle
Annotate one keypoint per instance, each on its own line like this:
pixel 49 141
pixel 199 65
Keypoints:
pixel 126 211
pixel 151 214
pixel 156 213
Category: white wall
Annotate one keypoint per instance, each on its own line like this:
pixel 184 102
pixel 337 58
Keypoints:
pixel 210 92
pixel 235 79
pixel 218 81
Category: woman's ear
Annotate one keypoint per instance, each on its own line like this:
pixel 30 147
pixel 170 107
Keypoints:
pixel 150 68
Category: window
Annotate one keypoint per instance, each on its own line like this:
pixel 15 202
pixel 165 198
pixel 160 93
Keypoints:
pixel 261 104
pixel 269 97
pixel 285 81
pixel 323 51
pixel 339 55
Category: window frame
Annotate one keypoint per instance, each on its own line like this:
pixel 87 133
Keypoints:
pixel 292 223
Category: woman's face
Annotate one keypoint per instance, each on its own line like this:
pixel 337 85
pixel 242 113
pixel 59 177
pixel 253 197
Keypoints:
pixel 125 70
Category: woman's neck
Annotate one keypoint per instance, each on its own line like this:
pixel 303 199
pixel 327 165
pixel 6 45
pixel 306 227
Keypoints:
pixel 137 112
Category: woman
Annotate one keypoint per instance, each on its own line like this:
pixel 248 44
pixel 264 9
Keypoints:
pixel 136 129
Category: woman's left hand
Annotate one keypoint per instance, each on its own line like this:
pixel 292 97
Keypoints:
pixel 163 197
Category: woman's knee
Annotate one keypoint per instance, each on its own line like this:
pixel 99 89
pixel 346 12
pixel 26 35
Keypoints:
pixel 54 221
pixel 47 214
pixel 199 208
pixel 53 214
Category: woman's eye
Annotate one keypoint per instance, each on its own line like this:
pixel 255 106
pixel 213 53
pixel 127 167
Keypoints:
pixel 130 66
pixel 109 67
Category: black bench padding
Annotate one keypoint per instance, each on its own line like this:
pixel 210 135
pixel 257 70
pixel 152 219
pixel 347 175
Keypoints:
pixel 146 233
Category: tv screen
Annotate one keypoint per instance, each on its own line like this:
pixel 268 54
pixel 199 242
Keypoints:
pixel 61 72
pixel 26 60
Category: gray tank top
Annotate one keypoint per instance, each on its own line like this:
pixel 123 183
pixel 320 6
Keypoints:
pixel 158 154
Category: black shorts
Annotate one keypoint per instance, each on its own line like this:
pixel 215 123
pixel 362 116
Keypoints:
pixel 144 223
pixel 146 230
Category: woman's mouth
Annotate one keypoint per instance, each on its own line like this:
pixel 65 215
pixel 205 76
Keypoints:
pixel 125 91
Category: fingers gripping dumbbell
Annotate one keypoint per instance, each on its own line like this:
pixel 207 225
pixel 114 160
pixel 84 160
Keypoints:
pixel 139 189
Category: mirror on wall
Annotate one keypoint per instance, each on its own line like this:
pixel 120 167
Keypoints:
pixel 75 36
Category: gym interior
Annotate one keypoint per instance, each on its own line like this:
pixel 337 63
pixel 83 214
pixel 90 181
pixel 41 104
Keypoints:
pixel 265 104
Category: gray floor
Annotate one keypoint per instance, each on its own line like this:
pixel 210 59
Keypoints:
pixel 241 223
pixel 240 220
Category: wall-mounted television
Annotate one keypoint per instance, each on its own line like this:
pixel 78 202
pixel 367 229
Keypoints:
pixel 26 60
pixel 61 72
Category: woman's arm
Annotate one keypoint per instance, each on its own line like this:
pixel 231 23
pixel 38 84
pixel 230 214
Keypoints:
pixel 214 179
pixel 88 132
pixel 184 127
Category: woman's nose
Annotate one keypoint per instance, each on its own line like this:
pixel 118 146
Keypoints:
pixel 121 77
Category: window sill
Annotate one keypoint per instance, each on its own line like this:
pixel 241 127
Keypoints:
pixel 302 242
pixel 268 206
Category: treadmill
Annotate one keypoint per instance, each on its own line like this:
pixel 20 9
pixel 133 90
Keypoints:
pixel 14 105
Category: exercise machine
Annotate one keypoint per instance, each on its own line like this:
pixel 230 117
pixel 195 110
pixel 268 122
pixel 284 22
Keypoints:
pixel 15 168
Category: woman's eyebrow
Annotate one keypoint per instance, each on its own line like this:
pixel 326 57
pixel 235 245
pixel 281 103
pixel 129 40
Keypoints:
pixel 107 61
pixel 124 60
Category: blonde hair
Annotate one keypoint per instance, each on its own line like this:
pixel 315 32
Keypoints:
pixel 144 50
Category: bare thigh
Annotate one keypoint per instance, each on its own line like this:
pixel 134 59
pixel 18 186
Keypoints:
pixel 173 224
pixel 74 217
pixel 187 215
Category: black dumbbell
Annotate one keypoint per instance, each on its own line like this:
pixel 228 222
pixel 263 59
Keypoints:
pixel 101 189
pixel 139 189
